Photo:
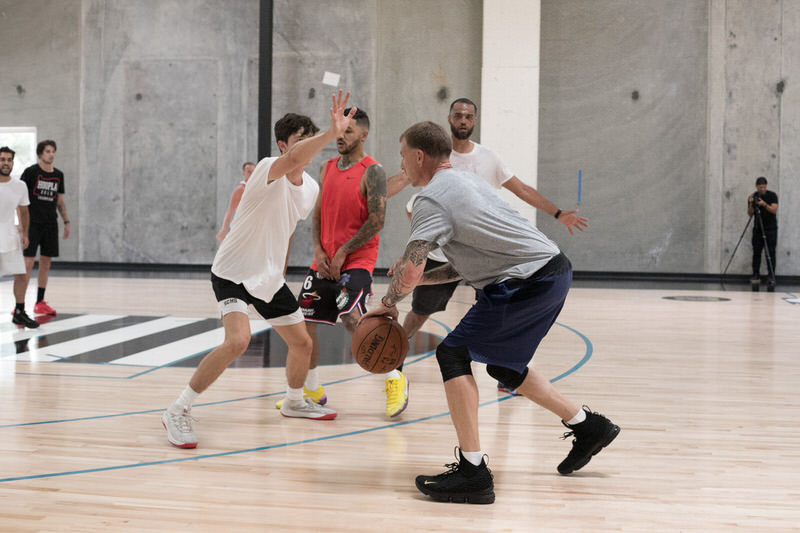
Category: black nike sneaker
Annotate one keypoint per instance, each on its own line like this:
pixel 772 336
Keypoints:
pixel 591 436
pixel 21 318
pixel 462 483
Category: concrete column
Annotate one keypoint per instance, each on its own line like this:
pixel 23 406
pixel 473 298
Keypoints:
pixel 714 259
pixel 509 114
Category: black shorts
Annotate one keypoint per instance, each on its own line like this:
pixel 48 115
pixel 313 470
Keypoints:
pixel 429 299
pixel 44 235
pixel 325 300
pixel 282 304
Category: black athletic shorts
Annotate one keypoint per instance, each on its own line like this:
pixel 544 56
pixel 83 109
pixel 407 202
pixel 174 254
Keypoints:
pixel 429 299
pixel 44 235
pixel 282 304
pixel 325 300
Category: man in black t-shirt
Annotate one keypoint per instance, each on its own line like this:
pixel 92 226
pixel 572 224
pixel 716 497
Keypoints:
pixel 46 193
pixel 764 205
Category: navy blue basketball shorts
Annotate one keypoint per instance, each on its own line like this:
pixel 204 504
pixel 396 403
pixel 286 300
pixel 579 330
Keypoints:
pixel 510 319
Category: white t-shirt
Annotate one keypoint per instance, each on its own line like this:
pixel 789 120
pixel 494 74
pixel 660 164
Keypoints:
pixel 483 162
pixel 254 250
pixel 13 193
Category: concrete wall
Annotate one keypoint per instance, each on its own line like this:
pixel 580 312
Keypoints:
pixel 669 108
pixel 429 54
pixel 623 100
pixel 756 124
pixel 40 58
pixel 166 107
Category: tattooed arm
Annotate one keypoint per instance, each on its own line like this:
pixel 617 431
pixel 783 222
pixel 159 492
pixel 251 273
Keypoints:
pixel 443 274
pixel 373 185
pixel 407 275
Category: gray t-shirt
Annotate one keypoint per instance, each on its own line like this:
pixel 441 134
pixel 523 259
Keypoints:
pixel 482 236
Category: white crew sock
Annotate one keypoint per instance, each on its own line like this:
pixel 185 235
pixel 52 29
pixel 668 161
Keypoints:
pixel 294 394
pixel 394 374
pixel 473 457
pixel 312 379
pixel 578 418
pixel 184 401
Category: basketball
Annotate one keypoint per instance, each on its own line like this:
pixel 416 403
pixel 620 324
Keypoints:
pixel 379 344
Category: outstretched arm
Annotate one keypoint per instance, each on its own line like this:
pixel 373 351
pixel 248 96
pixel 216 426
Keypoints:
pixel 236 197
pixel 301 153
pixel 532 197
pixel 396 183
pixel 374 181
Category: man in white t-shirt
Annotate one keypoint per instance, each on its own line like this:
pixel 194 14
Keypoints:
pixel 13 239
pixel 250 265
pixel 478 159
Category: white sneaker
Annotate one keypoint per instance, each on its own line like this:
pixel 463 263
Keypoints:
pixel 306 408
pixel 179 428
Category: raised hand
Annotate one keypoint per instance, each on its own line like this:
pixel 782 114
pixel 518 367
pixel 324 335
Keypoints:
pixel 571 220
pixel 340 121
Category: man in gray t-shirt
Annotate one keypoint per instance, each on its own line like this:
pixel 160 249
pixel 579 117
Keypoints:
pixel 522 281
pixel 484 239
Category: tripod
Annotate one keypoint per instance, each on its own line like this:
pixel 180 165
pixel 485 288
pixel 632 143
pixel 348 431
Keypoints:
pixel 760 224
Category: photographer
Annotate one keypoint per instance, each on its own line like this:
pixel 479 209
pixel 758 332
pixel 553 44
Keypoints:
pixel 764 205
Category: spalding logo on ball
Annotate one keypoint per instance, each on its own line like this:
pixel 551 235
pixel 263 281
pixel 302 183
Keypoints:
pixel 379 344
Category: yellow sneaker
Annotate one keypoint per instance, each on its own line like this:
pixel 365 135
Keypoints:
pixel 318 396
pixel 396 395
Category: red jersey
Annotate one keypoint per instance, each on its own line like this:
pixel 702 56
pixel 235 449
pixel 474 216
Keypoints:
pixel 343 210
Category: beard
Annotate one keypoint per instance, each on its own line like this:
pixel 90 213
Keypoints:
pixel 459 135
pixel 347 148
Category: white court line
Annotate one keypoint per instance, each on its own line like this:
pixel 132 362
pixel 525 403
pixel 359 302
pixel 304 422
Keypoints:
pixel 55 326
pixel 175 351
pixel 107 338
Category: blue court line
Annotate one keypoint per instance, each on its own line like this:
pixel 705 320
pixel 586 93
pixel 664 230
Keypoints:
pixel 579 364
pixel 239 452
pixel 424 355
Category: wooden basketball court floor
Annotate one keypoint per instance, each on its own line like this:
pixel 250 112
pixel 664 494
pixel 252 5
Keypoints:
pixel 704 387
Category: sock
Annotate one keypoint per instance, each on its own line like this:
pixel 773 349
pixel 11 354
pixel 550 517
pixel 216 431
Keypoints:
pixel 40 294
pixel 312 379
pixel 473 457
pixel 20 306
pixel 577 419
pixel 394 374
pixel 184 401
pixel 294 394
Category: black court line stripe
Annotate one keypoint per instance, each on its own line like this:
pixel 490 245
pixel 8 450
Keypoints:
pixel 91 329
pixel 112 352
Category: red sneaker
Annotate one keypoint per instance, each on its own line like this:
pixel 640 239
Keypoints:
pixel 41 308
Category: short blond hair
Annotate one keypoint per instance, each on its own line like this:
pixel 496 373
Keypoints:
pixel 430 138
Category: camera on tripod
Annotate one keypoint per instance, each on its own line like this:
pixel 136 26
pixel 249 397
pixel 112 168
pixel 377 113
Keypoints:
pixel 756 197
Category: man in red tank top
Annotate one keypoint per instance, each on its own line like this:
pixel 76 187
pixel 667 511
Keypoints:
pixel 349 214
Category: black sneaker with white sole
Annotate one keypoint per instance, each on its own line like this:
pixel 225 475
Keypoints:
pixel 463 482
pixel 591 436
pixel 21 318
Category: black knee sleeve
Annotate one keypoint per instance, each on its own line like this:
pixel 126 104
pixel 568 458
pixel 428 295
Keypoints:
pixel 453 362
pixel 510 378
